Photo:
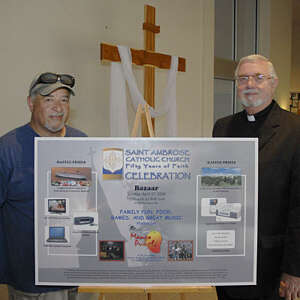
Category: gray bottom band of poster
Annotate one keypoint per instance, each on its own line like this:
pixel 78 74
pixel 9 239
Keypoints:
pixel 137 211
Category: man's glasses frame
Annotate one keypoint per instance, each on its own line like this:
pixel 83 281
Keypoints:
pixel 258 78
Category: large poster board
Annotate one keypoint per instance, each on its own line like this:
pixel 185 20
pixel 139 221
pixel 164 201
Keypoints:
pixel 136 211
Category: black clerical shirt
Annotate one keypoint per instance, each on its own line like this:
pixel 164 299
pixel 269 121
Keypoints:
pixel 251 128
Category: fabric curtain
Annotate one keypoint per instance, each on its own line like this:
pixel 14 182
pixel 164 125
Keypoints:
pixel 118 106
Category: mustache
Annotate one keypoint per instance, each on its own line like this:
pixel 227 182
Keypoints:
pixel 250 91
pixel 57 114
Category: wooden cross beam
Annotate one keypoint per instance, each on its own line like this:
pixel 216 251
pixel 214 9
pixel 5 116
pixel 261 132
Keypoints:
pixel 148 58
pixel 141 57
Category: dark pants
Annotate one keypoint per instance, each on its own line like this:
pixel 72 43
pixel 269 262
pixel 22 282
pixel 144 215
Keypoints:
pixel 222 295
pixel 67 294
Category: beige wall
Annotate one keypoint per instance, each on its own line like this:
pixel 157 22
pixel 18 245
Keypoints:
pixel 275 42
pixel 64 36
pixel 281 47
pixel 295 76
pixel 264 20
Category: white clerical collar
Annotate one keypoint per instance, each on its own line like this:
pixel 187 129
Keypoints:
pixel 251 118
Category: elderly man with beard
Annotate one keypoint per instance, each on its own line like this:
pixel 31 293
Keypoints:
pixel 49 103
pixel 278 132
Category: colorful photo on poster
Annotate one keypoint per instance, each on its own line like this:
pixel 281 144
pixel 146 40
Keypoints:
pixel 111 250
pixel 221 177
pixel 152 239
pixel 180 250
pixel 71 177
pixel 57 206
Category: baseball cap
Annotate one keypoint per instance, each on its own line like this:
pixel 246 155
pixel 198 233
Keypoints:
pixel 47 82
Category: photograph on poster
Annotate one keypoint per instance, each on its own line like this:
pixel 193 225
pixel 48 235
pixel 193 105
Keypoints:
pixel 209 206
pixel 71 177
pixel 180 250
pixel 221 177
pixel 57 206
pixel 57 234
pixel 85 221
pixel 221 209
pixel 228 212
pixel 111 250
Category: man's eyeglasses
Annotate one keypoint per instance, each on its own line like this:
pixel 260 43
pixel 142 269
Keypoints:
pixel 258 78
pixel 50 78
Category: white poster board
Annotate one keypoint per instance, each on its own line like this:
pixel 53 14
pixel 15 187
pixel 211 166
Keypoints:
pixel 136 211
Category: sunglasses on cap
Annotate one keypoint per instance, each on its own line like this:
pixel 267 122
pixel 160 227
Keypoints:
pixel 50 78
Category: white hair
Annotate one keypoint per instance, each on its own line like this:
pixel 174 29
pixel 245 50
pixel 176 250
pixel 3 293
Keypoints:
pixel 254 58
pixel 33 96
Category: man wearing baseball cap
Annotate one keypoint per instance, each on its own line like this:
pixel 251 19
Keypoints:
pixel 49 103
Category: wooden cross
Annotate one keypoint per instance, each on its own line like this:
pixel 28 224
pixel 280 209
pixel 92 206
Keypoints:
pixel 148 58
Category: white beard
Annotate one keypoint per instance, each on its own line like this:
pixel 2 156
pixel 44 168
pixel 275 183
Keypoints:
pixel 255 103
pixel 250 103
pixel 56 129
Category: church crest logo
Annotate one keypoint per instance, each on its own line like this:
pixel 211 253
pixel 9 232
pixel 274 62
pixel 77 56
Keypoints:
pixel 112 163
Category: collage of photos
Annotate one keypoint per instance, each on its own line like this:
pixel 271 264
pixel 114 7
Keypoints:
pixel 223 209
pixel 177 251
pixel 63 214
pixel 61 220
pixel 220 212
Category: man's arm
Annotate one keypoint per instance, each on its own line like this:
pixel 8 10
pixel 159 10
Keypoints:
pixel 290 278
pixel 3 175
pixel 218 130
pixel 3 186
